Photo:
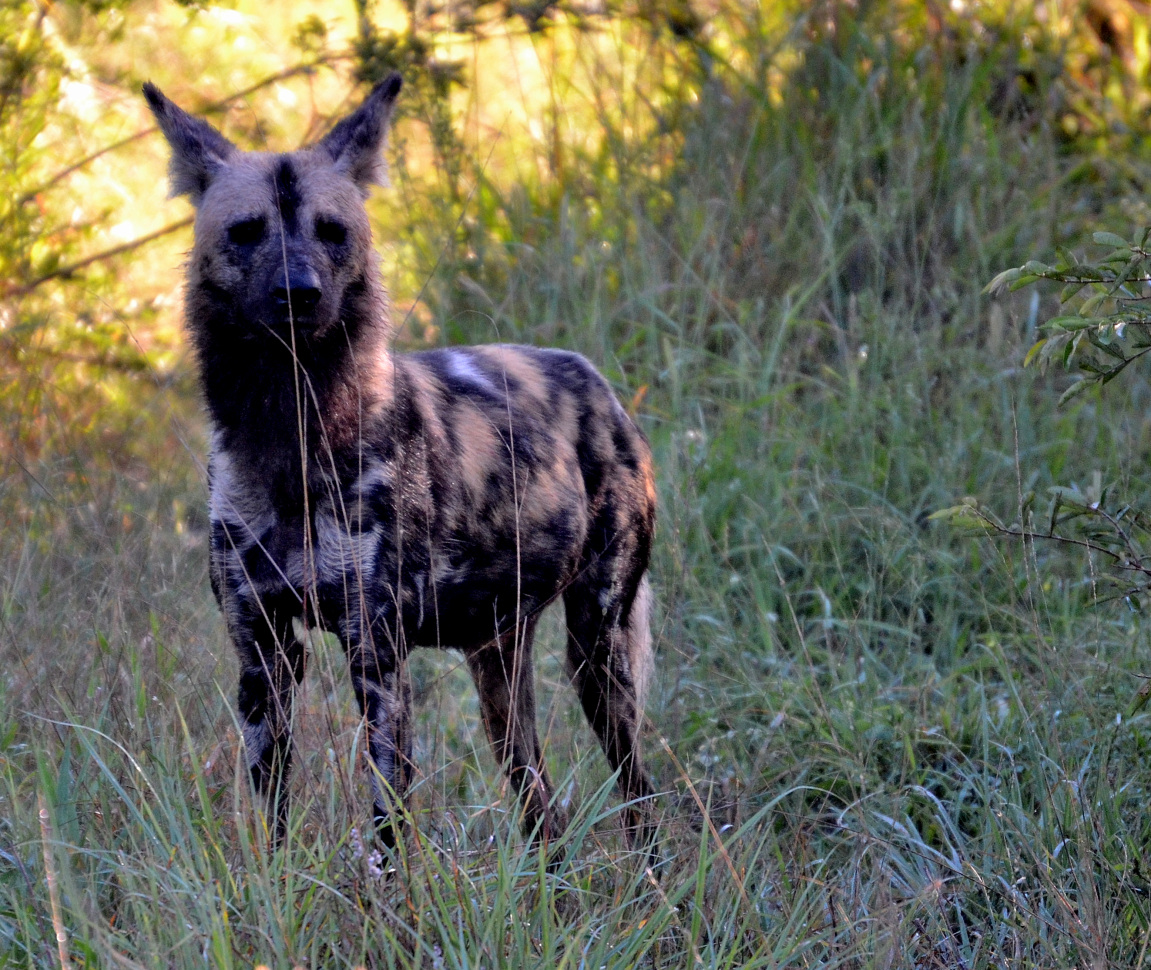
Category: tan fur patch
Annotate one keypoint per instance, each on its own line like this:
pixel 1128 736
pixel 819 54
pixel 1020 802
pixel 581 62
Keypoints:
pixel 648 473
pixel 554 489
pixel 518 368
pixel 479 447
pixel 566 422
pixel 428 397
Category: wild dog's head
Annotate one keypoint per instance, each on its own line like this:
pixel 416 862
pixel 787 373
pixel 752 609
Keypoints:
pixel 279 239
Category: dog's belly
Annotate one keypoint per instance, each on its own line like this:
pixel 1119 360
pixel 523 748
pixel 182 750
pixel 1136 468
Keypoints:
pixel 476 610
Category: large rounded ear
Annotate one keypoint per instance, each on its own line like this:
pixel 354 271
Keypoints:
pixel 356 144
pixel 199 152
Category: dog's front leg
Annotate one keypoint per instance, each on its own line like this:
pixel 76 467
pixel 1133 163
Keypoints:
pixel 382 690
pixel 271 664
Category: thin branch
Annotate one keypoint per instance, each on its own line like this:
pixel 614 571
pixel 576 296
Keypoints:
pixel 1133 551
pixel 209 109
pixel 1055 537
pixel 107 361
pixel 76 166
pixel 1136 355
pixel 71 268
pixel 1124 562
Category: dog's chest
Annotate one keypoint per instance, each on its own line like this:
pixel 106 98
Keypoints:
pixel 261 544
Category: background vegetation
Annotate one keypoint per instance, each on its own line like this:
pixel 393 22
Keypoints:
pixel 882 742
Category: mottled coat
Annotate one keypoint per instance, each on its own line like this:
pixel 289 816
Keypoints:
pixel 441 498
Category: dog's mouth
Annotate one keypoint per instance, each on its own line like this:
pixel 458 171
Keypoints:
pixel 286 321
pixel 301 314
pixel 300 304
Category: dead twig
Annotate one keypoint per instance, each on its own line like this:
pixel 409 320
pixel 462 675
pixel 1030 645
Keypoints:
pixel 53 891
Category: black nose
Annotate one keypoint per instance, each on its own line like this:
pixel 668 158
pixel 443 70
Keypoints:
pixel 297 291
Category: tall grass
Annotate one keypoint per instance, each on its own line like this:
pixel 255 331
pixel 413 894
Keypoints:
pixel 880 743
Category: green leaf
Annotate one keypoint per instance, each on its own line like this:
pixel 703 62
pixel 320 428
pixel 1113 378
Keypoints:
pixel 1003 279
pixel 1141 698
pixel 1109 239
pixel 1070 498
pixel 1116 370
pixel 961 517
pixel 1119 256
pixel 1069 349
pixel 1079 387
pixel 1128 271
pixel 1070 290
pixel 1102 341
pixel 1034 352
pixel 1070 324
pixel 1091 304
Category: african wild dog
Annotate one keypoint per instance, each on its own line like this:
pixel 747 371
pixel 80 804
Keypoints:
pixel 439 498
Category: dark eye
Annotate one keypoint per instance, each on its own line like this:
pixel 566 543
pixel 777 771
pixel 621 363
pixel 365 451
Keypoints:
pixel 246 233
pixel 330 231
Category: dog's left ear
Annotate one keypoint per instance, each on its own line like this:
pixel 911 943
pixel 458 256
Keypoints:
pixel 356 144
pixel 199 152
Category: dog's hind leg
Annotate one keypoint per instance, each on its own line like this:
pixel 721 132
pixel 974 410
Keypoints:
pixel 504 676
pixel 609 658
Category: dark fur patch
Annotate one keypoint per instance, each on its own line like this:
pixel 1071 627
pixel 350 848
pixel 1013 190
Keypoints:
pixel 287 188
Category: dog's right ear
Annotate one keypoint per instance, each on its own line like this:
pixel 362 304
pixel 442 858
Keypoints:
pixel 199 152
pixel 355 145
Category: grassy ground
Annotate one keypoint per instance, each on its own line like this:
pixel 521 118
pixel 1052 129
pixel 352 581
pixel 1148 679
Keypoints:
pixel 881 743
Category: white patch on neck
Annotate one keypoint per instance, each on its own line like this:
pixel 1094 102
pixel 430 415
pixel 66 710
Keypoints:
pixel 234 503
